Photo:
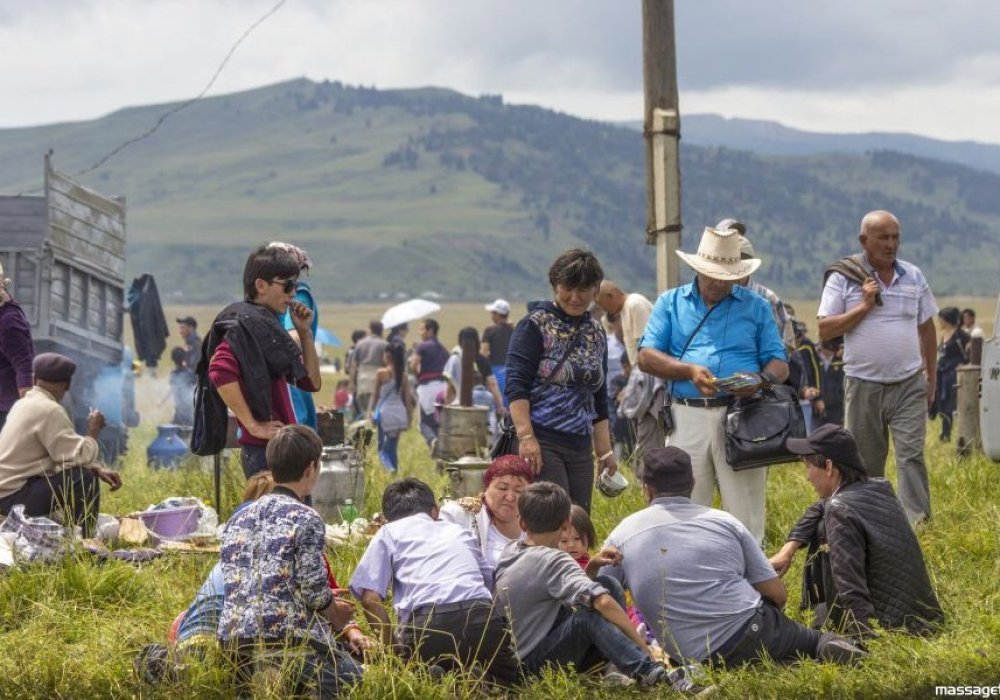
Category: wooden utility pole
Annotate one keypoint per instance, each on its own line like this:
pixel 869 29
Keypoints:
pixel 662 133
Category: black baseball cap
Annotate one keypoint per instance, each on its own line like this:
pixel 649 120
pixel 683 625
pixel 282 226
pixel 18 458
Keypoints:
pixel 830 441
pixel 669 467
pixel 188 320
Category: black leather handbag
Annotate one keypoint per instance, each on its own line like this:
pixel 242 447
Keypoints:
pixel 756 428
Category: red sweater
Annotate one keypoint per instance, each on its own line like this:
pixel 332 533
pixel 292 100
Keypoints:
pixel 225 369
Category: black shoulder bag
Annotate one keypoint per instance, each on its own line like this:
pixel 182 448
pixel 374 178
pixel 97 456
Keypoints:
pixel 506 442
pixel 756 428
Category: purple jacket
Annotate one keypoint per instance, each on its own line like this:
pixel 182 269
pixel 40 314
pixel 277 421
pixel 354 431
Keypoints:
pixel 16 353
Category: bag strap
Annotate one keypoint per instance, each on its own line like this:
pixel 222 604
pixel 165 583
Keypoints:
pixel 689 341
pixel 569 349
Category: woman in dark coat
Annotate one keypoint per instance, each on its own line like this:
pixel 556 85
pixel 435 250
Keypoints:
pixel 951 354
pixel 556 368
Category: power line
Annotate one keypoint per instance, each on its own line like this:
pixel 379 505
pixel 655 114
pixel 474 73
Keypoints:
pixel 171 112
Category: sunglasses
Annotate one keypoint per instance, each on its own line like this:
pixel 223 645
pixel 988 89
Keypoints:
pixel 288 285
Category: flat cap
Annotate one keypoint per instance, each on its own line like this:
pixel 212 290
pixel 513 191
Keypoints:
pixel 53 367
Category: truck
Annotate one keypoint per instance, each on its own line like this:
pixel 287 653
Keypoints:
pixel 64 251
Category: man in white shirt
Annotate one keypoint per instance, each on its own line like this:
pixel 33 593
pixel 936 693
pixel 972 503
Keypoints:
pixel 890 357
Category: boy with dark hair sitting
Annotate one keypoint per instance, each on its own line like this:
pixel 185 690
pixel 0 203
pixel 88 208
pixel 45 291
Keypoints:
pixel 278 601
pixel 436 572
pixel 559 615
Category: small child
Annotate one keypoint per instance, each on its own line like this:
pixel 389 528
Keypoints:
pixel 576 541
pixel 559 615
pixel 437 575
pixel 342 396
pixel 579 537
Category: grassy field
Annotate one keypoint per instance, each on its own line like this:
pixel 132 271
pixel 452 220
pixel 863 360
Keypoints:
pixel 71 630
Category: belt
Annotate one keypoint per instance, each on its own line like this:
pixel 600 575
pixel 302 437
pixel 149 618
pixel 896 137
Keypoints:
pixel 714 402
pixel 442 608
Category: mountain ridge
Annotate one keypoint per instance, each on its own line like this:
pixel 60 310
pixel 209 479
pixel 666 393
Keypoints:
pixel 399 191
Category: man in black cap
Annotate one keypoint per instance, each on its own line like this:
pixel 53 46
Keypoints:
pixel 187 327
pixel 701 581
pixel 44 465
pixel 865 562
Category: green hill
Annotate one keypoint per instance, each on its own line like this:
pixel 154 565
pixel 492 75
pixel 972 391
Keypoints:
pixel 406 191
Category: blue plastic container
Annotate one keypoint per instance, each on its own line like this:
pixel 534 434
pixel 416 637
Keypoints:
pixel 168 449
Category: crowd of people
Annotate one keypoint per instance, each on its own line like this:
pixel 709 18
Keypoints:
pixel 514 581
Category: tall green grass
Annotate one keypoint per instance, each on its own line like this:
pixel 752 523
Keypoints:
pixel 71 630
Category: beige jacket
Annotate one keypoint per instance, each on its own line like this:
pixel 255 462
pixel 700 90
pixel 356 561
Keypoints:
pixel 635 315
pixel 39 438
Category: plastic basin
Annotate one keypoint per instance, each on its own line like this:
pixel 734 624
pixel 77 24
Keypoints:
pixel 171 523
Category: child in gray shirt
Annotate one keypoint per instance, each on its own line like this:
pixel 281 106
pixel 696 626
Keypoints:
pixel 558 615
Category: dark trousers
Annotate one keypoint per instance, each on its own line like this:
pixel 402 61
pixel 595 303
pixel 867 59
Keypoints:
pixel 585 638
pixel 456 638
pixel 769 632
pixel 74 492
pixel 323 669
pixel 571 468
pixel 254 459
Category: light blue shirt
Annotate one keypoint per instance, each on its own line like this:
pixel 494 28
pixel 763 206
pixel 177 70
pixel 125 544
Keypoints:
pixel 885 345
pixel 691 570
pixel 739 336
pixel 425 562
pixel 302 401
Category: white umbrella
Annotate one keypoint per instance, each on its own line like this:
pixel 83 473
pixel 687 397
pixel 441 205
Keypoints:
pixel 408 311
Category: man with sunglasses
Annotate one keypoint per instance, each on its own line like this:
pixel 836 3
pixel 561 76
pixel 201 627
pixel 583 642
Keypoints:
pixel 254 359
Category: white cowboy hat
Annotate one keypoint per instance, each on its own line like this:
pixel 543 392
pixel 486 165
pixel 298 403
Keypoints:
pixel 718 256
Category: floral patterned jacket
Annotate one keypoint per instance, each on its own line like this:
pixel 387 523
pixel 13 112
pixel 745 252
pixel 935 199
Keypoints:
pixel 272 566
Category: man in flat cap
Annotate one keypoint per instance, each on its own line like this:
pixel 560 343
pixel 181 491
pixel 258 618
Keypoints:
pixel 701 581
pixel 707 329
pixel 865 562
pixel 44 465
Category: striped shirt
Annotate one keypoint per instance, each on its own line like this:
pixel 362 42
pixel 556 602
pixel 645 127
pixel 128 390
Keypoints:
pixel 884 347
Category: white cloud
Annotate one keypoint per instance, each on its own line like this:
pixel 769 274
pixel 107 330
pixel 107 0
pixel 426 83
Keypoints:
pixel 913 65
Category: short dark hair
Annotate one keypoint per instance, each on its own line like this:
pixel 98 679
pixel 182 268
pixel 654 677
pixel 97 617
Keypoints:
pixel 544 507
pixel 376 327
pixel 291 450
pixel 576 269
pixel 584 526
pixel 970 312
pixel 357 335
pixel 432 325
pixel 847 475
pixel 407 497
pixel 266 263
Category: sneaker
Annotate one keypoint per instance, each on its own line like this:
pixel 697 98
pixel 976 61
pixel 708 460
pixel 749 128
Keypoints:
pixel 681 679
pixel 840 650
pixel 690 680
pixel 614 678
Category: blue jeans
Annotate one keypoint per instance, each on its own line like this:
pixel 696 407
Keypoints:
pixel 584 638
pixel 500 374
pixel 388 448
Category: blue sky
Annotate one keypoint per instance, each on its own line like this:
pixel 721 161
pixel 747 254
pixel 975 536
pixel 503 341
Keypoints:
pixel 851 66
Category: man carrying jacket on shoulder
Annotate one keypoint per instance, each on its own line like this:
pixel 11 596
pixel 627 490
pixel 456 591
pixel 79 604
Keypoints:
pixel 254 359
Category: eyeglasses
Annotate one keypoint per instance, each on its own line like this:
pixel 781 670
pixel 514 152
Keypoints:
pixel 289 285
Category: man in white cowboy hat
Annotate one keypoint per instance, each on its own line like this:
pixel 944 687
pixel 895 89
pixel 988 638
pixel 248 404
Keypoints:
pixel 702 330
